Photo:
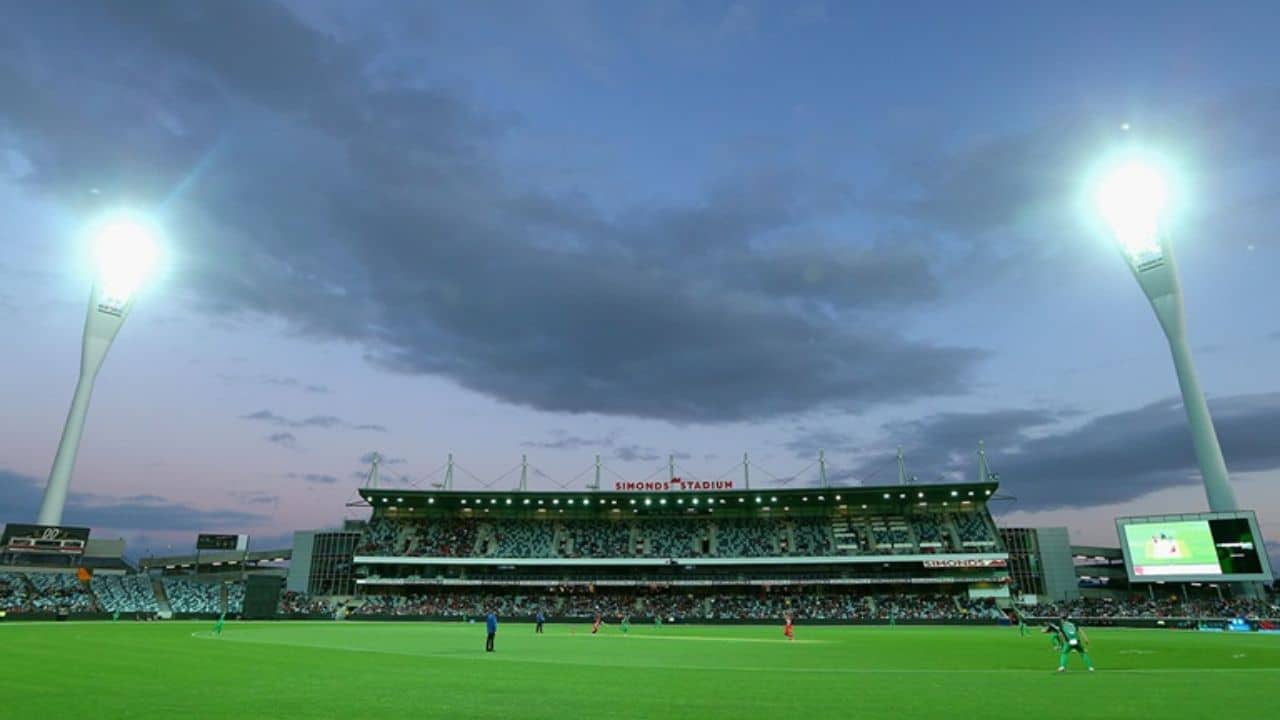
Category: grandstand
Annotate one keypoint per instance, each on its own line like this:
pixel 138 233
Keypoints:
pixel 832 553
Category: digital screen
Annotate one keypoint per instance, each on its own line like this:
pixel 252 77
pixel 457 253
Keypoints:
pixel 1185 548
pixel 44 539
pixel 221 542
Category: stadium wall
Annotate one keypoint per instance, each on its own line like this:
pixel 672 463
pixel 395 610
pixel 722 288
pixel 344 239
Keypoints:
pixel 1057 564
pixel 299 578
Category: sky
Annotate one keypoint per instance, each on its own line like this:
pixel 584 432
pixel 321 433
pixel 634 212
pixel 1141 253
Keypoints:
pixel 638 230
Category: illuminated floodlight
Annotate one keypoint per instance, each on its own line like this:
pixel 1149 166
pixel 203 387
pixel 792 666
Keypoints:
pixel 1131 198
pixel 125 250
pixel 1132 195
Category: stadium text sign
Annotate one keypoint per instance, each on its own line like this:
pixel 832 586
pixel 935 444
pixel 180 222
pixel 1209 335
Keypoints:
pixel 966 563
pixel 672 485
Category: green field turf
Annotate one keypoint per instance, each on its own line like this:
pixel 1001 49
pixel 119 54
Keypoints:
pixel 400 670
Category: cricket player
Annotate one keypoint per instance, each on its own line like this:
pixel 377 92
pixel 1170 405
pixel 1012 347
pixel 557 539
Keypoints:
pixel 491 629
pixel 595 625
pixel 1070 637
pixel 217 627
pixel 626 624
pixel 788 630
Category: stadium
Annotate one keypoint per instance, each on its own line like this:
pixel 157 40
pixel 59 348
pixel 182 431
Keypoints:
pixel 672 595
pixel 352 239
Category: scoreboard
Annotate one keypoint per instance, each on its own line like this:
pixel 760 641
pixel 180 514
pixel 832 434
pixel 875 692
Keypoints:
pixel 1203 547
pixel 205 541
pixel 44 539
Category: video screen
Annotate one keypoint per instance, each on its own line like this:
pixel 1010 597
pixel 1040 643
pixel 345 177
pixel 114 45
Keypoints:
pixel 1202 548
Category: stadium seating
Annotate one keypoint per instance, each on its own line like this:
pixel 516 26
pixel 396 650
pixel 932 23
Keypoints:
pixel 691 537
pixel 812 537
pixel 522 539
pixel 192 596
pixel 14 594
pixel 975 531
pixel 673 538
pixel 125 593
pixel 593 538
pixel 54 592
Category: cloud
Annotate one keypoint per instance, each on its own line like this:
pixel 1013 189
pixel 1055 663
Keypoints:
pixel 255 497
pixel 808 442
pixel 690 312
pixel 315 421
pixel 636 453
pixel 277 381
pixel 1107 459
pixel 314 478
pixel 283 439
pixel 562 440
pixel 1274 335
pixel 20 498
pixel 367 458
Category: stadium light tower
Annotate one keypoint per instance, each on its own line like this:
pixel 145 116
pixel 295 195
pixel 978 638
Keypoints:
pixel 124 250
pixel 1132 198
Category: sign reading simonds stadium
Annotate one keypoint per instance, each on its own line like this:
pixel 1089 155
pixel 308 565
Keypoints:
pixel 675 484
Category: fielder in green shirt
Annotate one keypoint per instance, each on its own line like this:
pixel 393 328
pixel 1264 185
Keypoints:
pixel 1070 637
pixel 217 627
pixel 626 623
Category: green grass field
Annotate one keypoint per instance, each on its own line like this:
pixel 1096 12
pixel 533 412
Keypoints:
pixel 359 669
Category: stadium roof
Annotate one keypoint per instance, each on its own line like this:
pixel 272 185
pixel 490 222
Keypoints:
pixel 687 495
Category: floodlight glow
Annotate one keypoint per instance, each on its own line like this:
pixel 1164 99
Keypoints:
pixel 125 251
pixel 1131 198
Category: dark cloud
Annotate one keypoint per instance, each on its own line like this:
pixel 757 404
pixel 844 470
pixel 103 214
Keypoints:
pixel 315 421
pixel 20 499
pixel 634 453
pixel 283 439
pixel 808 442
pixel 562 440
pixel 1107 459
pixel 367 458
pixel 677 312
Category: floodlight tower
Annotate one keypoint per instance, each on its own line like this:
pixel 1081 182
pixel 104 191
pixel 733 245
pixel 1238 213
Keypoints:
pixel 125 251
pixel 1131 199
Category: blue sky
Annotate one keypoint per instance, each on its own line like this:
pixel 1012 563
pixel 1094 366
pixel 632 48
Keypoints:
pixel 631 229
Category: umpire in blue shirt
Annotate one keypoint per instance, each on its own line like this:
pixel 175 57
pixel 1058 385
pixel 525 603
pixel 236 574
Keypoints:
pixel 491 629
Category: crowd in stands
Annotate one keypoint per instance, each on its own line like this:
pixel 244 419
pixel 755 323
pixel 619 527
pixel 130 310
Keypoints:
pixel 684 537
pixel 192 596
pixel 125 593
pixel 1163 608
pixel 296 603
pixel 684 606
